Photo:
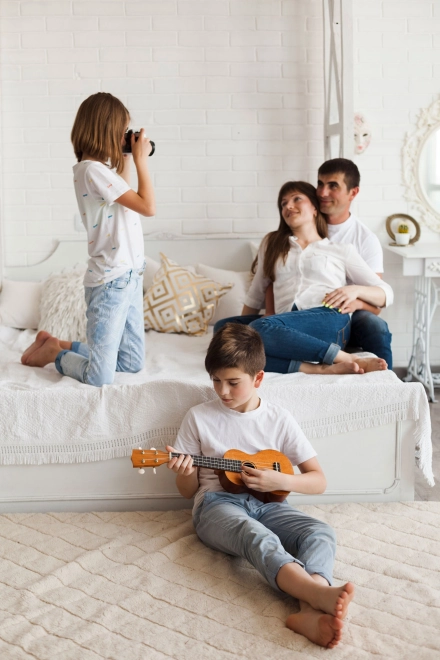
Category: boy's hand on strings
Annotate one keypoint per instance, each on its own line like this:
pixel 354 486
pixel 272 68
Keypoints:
pixel 182 465
pixel 264 481
pixel 140 148
pixel 342 299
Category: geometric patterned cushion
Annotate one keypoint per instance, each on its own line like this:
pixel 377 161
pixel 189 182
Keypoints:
pixel 181 301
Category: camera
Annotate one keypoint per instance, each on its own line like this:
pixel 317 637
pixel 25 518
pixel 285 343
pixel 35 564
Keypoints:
pixel 126 148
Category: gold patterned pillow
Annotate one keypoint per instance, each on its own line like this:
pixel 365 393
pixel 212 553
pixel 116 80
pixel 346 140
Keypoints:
pixel 181 301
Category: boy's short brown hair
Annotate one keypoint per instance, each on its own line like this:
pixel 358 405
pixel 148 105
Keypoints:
pixel 236 346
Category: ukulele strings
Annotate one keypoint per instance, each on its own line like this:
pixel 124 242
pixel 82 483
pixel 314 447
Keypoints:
pixel 257 465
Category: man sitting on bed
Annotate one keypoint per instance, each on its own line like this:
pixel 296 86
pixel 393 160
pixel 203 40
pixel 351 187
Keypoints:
pixel 338 185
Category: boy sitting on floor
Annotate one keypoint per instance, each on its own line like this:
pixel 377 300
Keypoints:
pixel 294 552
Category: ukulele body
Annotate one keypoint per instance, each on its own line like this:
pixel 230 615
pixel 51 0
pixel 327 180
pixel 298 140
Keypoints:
pixel 269 459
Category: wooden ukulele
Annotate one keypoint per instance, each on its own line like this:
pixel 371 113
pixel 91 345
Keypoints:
pixel 228 468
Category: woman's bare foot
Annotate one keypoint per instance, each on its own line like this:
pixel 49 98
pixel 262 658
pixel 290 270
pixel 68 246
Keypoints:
pixel 334 600
pixel 328 369
pixel 320 628
pixel 39 341
pixel 45 354
pixel 371 364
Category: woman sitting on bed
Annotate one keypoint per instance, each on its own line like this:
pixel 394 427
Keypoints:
pixel 309 275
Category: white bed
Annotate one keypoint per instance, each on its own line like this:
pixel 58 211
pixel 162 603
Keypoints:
pixel 65 446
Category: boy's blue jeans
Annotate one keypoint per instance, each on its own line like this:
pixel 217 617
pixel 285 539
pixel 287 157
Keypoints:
pixel 267 535
pixel 115 333
pixel 308 335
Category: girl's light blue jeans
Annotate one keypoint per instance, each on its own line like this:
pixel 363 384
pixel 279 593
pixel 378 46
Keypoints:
pixel 115 333
pixel 267 535
pixel 307 335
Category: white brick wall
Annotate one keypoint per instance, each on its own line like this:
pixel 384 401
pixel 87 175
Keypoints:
pixel 230 90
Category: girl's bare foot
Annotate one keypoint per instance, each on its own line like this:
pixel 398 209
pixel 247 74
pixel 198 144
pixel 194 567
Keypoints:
pixel 39 341
pixel 334 600
pixel 320 628
pixel 371 364
pixel 45 354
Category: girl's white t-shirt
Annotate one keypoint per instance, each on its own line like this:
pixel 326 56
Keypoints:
pixel 211 429
pixel 114 233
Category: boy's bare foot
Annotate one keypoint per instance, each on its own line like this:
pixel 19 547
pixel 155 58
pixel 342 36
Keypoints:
pixel 45 354
pixel 371 364
pixel 39 341
pixel 320 628
pixel 335 600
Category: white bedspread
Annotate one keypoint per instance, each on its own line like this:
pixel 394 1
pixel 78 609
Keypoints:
pixel 48 418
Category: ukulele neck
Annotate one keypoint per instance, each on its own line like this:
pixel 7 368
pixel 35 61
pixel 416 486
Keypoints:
pixel 211 463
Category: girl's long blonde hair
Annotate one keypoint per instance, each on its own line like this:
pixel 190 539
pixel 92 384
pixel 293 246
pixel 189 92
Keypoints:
pixel 277 242
pixel 98 128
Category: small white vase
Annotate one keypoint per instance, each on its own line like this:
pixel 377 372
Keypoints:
pixel 402 239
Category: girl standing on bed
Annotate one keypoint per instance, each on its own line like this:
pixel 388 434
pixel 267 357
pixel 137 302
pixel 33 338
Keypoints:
pixel 109 210
pixel 309 275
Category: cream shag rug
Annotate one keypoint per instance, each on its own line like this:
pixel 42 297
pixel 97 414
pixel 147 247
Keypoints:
pixel 141 586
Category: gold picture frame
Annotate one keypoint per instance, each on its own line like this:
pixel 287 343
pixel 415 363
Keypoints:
pixel 407 218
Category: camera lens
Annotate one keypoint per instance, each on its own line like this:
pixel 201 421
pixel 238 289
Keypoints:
pixel 126 147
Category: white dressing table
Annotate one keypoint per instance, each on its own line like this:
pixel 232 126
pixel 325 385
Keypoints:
pixel 422 261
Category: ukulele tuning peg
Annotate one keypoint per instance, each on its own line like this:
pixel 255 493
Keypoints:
pixel 153 448
pixel 142 471
pixel 154 470
pixel 140 448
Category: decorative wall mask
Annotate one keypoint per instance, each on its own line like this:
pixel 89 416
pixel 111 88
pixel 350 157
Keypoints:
pixel 362 133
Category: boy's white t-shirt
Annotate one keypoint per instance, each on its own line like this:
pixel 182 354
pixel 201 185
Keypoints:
pixel 114 233
pixel 366 243
pixel 211 429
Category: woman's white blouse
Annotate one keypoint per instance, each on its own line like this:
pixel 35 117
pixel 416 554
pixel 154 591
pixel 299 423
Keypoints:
pixel 309 274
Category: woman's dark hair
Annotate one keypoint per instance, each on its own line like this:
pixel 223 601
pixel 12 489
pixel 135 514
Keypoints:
pixel 277 242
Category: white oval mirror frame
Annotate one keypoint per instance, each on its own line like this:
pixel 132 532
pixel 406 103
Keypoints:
pixel 415 142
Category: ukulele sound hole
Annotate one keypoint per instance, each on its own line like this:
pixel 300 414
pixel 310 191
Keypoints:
pixel 249 464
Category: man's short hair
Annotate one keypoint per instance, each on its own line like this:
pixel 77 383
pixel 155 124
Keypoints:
pixel 236 346
pixel 343 166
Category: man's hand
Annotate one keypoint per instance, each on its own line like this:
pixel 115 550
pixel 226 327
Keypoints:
pixel 342 299
pixel 264 481
pixel 183 465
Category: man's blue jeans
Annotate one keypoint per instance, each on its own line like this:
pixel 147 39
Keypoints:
pixel 371 333
pixel 308 335
pixel 267 535
pixel 115 333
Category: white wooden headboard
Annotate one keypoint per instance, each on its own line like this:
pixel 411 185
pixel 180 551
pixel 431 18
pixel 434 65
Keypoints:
pixel 231 253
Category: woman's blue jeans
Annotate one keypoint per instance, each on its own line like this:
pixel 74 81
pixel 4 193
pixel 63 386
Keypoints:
pixel 115 333
pixel 308 335
pixel 267 535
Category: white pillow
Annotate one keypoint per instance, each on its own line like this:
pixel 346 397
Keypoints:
pixel 20 304
pixel 151 268
pixel 232 303
pixel 254 248
pixel 63 306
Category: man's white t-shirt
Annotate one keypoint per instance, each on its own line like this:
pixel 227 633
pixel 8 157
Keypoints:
pixel 366 243
pixel 114 233
pixel 211 429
